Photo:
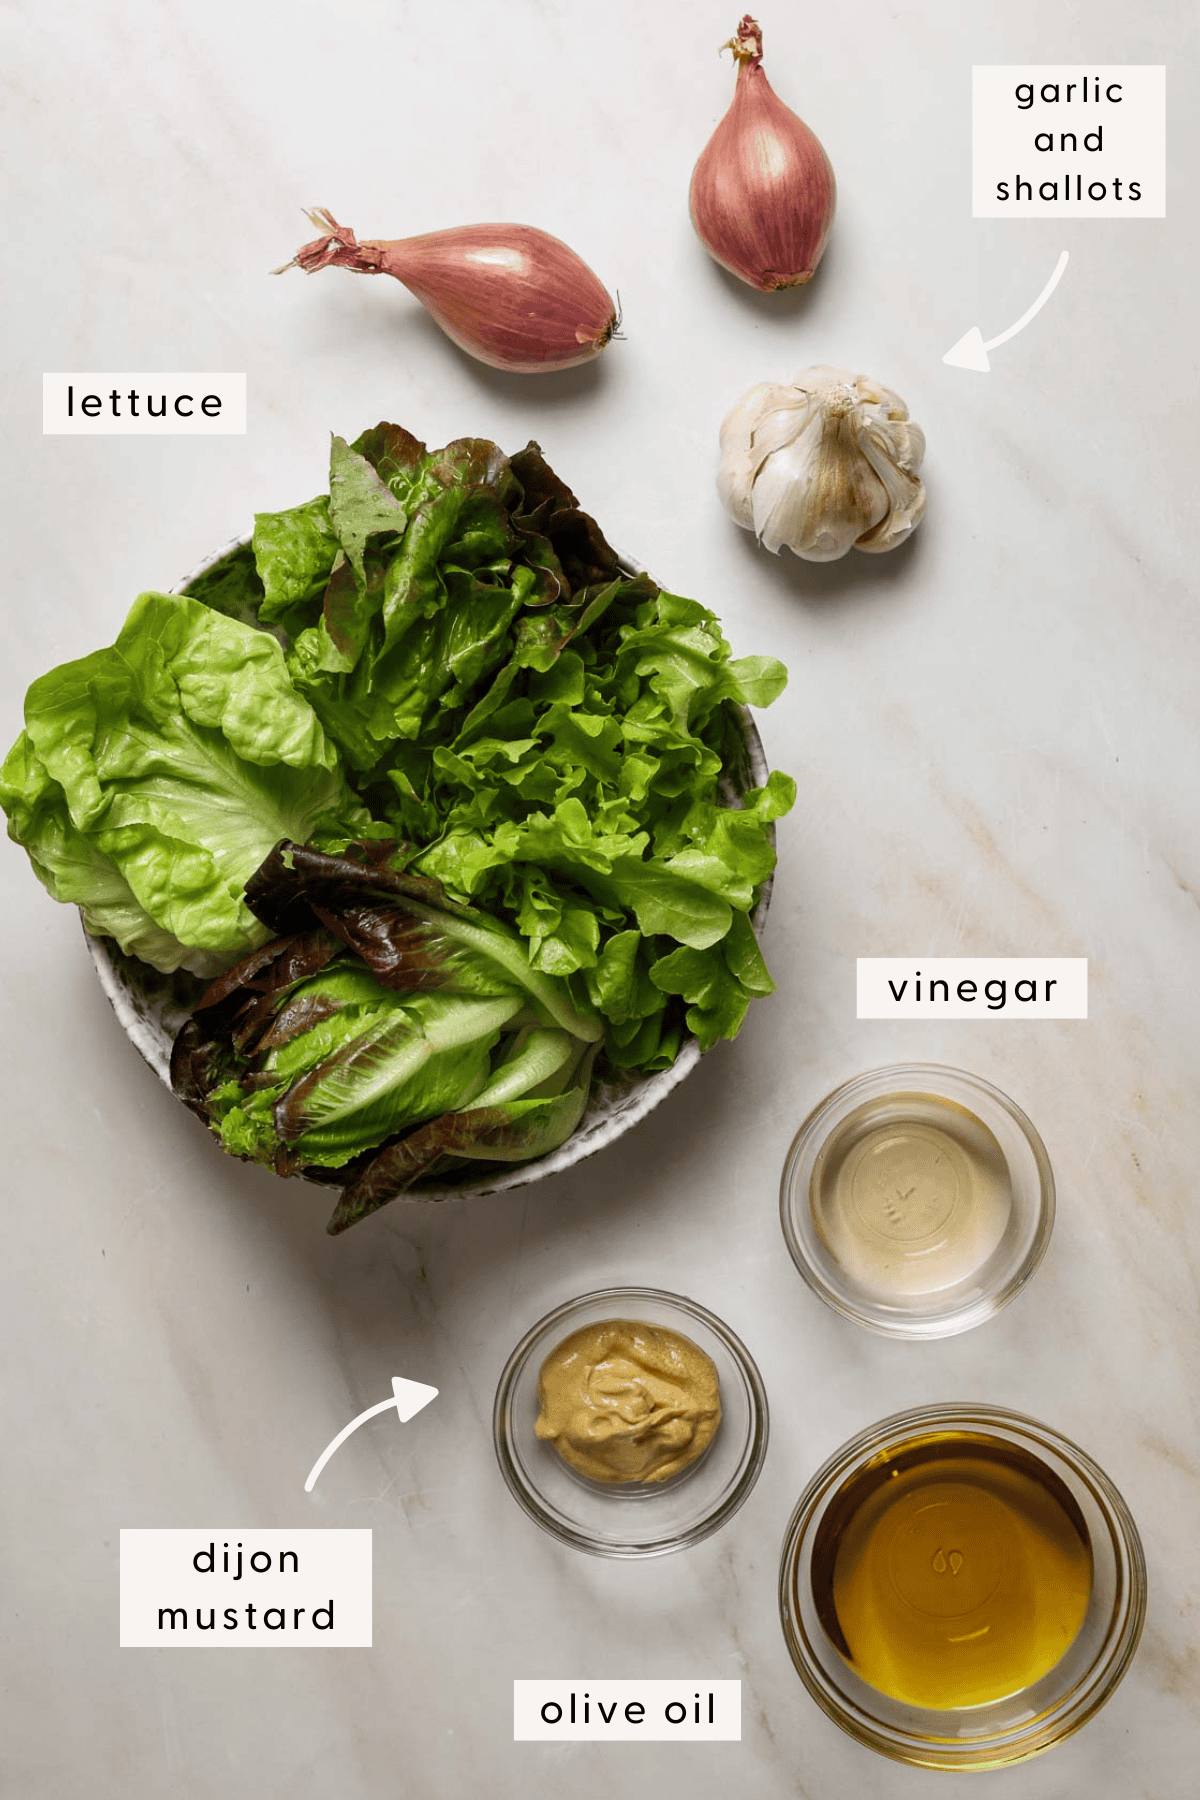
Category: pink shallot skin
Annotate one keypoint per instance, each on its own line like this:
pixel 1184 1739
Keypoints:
pixel 510 295
pixel 763 192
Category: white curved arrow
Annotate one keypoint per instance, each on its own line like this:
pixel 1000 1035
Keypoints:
pixel 970 352
pixel 408 1397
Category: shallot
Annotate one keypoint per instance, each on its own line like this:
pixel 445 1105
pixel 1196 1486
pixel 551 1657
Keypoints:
pixel 763 193
pixel 511 295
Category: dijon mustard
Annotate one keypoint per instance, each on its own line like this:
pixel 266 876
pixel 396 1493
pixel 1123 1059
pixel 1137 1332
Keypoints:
pixel 622 1401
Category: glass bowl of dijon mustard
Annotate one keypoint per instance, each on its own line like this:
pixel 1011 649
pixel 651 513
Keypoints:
pixel 917 1200
pixel 961 1587
pixel 630 1422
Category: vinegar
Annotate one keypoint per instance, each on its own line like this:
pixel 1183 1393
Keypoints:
pixel 954 1572
pixel 911 1194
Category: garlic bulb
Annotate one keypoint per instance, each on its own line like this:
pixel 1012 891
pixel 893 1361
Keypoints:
pixel 828 463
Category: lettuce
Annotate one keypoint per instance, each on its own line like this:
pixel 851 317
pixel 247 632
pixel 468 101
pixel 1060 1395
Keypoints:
pixel 153 777
pixel 382 1036
pixel 557 739
pixel 443 650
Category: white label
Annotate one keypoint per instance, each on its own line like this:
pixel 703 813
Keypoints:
pixel 680 1711
pixel 245 1590
pixel 107 405
pixel 1074 141
pixel 972 987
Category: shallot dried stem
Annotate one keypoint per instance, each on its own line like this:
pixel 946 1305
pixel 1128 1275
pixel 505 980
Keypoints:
pixel 338 249
pixel 747 45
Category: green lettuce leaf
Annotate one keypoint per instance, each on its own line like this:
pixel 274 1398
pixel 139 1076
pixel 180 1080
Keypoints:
pixel 557 739
pixel 294 554
pixel 153 777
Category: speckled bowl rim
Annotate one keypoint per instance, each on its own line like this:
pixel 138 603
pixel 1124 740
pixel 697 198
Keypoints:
pixel 150 1018
pixel 934 1321
pixel 624 1303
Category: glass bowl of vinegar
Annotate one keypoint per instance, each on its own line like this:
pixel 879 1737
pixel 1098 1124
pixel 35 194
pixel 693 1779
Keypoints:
pixel 961 1587
pixel 917 1200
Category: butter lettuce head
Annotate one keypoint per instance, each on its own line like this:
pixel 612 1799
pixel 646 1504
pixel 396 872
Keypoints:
pixel 153 777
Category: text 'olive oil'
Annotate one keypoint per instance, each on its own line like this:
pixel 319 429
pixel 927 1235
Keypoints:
pixel 954 1571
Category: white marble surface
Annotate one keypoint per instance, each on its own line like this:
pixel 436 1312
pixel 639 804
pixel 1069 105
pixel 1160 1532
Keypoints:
pixel 994 732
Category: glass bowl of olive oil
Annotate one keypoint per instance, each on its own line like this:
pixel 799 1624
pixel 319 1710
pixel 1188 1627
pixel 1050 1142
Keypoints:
pixel 917 1200
pixel 961 1587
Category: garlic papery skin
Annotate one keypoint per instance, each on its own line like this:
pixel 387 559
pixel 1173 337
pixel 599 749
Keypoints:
pixel 826 465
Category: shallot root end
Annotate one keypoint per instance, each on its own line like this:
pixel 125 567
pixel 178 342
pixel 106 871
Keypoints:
pixel 597 340
pixel 772 282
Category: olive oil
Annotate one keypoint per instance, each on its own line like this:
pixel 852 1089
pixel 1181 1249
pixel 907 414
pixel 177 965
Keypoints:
pixel 911 1194
pixel 954 1571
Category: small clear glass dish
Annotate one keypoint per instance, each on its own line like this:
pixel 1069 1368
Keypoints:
pixel 1022 1722
pixel 917 1200
pixel 632 1519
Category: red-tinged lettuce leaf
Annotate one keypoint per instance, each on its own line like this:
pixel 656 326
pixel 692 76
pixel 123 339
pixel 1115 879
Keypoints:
pixel 272 966
pixel 396 455
pixel 549 510
pixel 469 462
pixel 253 1009
pixel 236 1009
pixel 360 504
pixel 200 1064
pixel 403 953
pixel 298 1015
pixel 295 878
pixel 296 886
pixel 297 1069
pixel 347 608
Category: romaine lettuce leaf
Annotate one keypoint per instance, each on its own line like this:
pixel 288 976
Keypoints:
pixel 513 1130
